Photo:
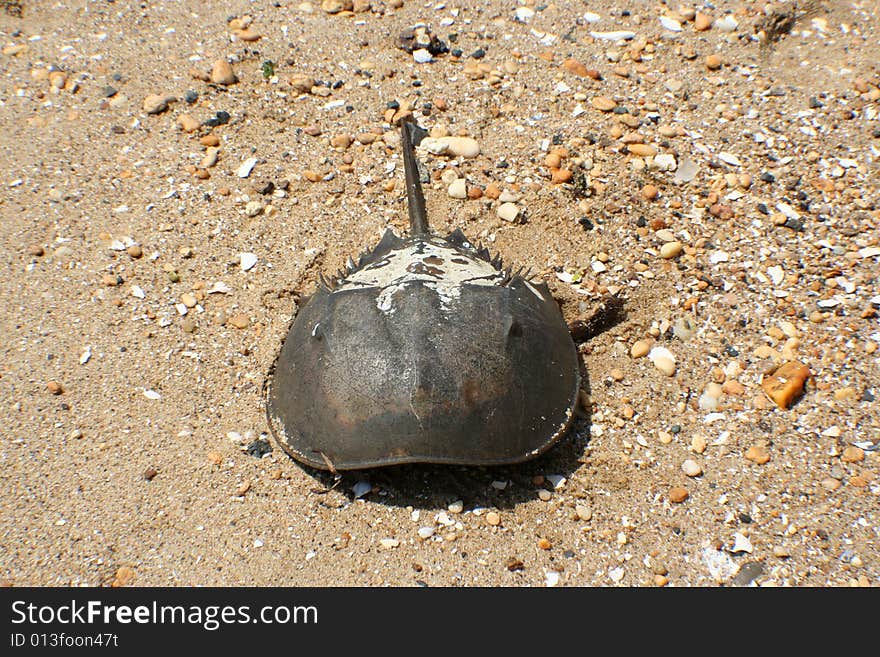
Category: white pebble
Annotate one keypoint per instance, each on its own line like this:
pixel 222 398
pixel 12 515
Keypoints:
pixel 557 480
pixel 616 35
pixel 466 147
pixel 422 56
pixel 246 167
pixel 727 24
pixel 730 159
pixel 707 402
pixel 524 14
pixel 247 261
pixel 508 211
pixel 670 24
pixel 361 488
pixel 741 544
pixel 776 274
pixel 663 360
pixel 426 532
pixel 663 162
pixel 691 468
pixel 458 189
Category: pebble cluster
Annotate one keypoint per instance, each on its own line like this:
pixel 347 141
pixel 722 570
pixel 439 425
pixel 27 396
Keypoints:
pixel 167 208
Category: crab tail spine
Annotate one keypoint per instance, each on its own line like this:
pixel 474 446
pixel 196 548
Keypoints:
pixel 411 135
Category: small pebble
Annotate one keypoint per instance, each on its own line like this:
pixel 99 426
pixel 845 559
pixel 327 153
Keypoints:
pixel 584 512
pixel 663 360
pixel 239 320
pixel 246 167
pixel 603 103
pixel 852 454
pixel 513 564
pixel 830 484
pixel 493 519
pixel 156 104
pixel 677 494
pixel 508 211
pixel 187 123
pixel 727 24
pixel 702 22
pixel 671 250
pixel 465 147
pixel 641 150
pixel 786 384
pixel 222 73
pixel 641 348
pixel 781 552
pixel 458 189
pixel 650 192
pixel 758 454
pixel 691 468
pixel 247 261
pixel 54 387
pixel 559 176
pixel 713 62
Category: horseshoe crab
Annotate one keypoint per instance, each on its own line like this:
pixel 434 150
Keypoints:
pixel 427 350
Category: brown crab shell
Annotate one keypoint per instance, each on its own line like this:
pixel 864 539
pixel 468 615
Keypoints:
pixel 427 369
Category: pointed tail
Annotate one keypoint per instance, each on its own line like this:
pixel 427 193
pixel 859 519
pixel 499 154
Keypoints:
pixel 412 135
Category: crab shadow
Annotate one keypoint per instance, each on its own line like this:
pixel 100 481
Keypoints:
pixel 435 487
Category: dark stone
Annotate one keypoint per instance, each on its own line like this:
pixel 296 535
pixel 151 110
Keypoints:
pixel 221 118
pixel 258 448
pixel 768 177
pixel 191 96
pixel 749 571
